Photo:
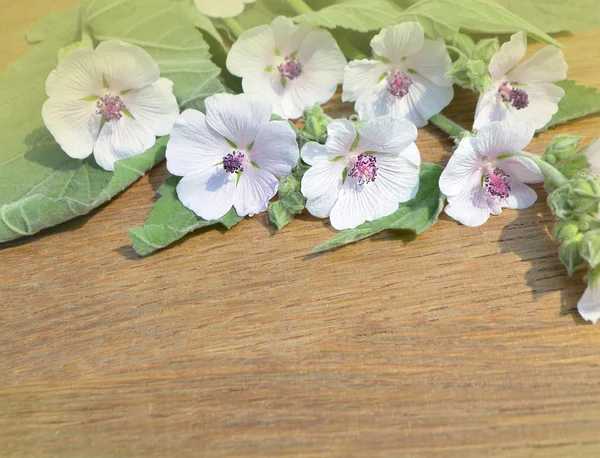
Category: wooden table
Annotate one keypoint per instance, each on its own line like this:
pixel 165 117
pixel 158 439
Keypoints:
pixel 461 342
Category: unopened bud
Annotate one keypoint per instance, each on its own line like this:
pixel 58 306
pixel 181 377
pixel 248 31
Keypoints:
pixel 570 254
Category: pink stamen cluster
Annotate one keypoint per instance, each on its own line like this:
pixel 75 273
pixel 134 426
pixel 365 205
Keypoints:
pixel 365 169
pixel 497 183
pixel 398 84
pixel 110 107
pixel 518 98
pixel 234 162
pixel 291 68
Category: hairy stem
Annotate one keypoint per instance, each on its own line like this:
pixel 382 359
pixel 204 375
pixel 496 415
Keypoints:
pixel 556 178
pixel 448 126
pixel 300 7
pixel 234 26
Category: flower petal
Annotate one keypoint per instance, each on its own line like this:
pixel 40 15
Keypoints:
pixel 543 104
pixel 432 62
pixel 210 194
pixel 319 53
pixel 220 8
pixel 74 125
pixel 359 203
pixel 592 153
pixel 470 206
pixel 321 185
pixel 545 66
pixel 490 108
pixel 521 196
pixel 589 305
pixel 289 36
pixel 386 135
pixel 398 41
pixel 498 138
pixel 341 134
pixel 194 146
pixel 521 169
pixel 360 76
pixel 313 152
pixel 461 166
pixel 252 53
pixel 121 139
pixel 155 106
pixel 78 75
pixel 509 55
pixel 126 66
pixel 238 118
pixel 275 149
pixel 254 190
pixel 398 174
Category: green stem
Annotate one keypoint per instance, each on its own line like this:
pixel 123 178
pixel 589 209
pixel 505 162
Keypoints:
pixel 300 7
pixel 556 178
pixel 448 126
pixel 350 51
pixel 234 26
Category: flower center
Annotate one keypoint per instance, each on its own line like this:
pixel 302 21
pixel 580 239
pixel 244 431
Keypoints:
pixel 365 168
pixel 234 162
pixel 111 107
pixel 497 183
pixel 518 98
pixel 398 84
pixel 290 68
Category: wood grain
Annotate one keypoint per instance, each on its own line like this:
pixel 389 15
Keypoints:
pixel 461 342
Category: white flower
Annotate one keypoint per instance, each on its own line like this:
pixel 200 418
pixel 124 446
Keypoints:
pixel 110 101
pixel 362 175
pixel 525 92
pixel 293 66
pixel 407 78
pixel 592 153
pixel 221 8
pixel 589 304
pixel 480 179
pixel 231 156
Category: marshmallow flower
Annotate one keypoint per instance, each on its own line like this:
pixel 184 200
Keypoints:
pixel 221 8
pixel 292 66
pixel 407 78
pixel 592 154
pixel 589 304
pixel 110 101
pixel 483 176
pixel 362 172
pixel 231 156
pixel 525 92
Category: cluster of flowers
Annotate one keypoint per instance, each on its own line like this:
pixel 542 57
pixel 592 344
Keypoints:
pixel 112 102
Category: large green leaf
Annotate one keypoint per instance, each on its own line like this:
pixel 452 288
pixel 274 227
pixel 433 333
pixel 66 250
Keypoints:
pixel 579 101
pixel 359 15
pixel 40 186
pixel 557 15
pixel 170 220
pixel 441 18
pixel 418 214
pixel 163 29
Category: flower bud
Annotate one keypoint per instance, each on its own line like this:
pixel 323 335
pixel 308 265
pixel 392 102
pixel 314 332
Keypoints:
pixel 485 49
pixel 565 230
pixel 585 193
pixel 570 253
pixel 288 185
pixel 590 248
pixel 563 146
pixel 560 203
pixel 315 124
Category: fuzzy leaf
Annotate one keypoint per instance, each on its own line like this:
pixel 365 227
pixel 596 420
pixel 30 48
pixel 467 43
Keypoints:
pixel 40 186
pixel 557 15
pixel 441 18
pixel 170 220
pixel 579 101
pixel 167 34
pixel 359 15
pixel 418 214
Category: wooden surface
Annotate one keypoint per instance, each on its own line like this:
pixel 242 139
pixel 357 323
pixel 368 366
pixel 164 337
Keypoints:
pixel 462 342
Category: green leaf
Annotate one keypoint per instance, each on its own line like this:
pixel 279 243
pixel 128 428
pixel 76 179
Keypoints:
pixel 359 15
pixel 418 214
pixel 579 101
pixel 167 34
pixel 441 18
pixel 40 186
pixel 170 220
pixel 557 15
